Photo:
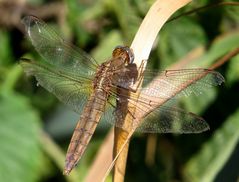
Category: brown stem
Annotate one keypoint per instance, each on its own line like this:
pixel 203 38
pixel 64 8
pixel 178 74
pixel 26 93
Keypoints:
pixel 225 58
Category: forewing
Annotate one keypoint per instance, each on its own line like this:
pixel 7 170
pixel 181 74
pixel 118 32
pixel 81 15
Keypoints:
pixel 71 89
pixel 184 82
pixel 55 50
pixel 169 83
pixel 153 107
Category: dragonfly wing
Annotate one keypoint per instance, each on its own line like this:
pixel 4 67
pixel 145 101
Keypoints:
pixel 150 119
pixel 154 108
pixel 172 120
pixel 115 110
pixel 150 106
pixel 69 88
pixel 184 82
pixel 169 83
pixel 144 115
pixel 55 50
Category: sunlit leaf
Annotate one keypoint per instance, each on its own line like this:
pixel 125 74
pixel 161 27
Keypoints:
pixel 233 70
pixel 177 38
pixel 219 48
pixel 103 50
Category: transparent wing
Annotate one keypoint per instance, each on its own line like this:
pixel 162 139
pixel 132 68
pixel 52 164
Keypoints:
pixel 146 118
pixel 183 82
pixel 151 107
pixel 70 88
pixel 55 50
pixel 165 83
pixel 165 119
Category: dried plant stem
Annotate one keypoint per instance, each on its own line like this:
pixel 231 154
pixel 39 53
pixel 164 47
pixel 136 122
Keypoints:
pixel 225 58
pixel 103 159
pixel 120 136
pixel 158 14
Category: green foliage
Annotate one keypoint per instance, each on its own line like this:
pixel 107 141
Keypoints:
pixel 178 38
pixel 5 49
pixel 101 52
pixel 216 51
pixel 232 74
pixel 206 164
pixel 220 47
pixel 20 154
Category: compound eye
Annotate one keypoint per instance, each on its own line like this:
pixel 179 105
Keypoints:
pixel 130 55
pixel 124 51
pixel 118 50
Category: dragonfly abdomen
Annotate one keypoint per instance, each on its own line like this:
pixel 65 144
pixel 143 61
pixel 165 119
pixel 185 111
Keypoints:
pixel 85 128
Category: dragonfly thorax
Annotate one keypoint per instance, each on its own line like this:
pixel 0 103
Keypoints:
pixel 112 71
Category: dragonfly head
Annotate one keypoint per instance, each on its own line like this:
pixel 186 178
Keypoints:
pixel 125 52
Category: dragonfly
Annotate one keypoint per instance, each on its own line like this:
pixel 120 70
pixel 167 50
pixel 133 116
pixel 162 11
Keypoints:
pixel 79 81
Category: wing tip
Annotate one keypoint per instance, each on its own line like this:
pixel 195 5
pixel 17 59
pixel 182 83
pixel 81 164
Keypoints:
pixel 26 20
pixel 219 79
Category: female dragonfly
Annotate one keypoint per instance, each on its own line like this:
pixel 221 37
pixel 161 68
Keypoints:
pixel 78 80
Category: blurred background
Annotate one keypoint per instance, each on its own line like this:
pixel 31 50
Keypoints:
pixel 35 128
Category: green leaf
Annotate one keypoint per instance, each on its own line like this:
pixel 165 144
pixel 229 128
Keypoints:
pixel 220 47
pixel 11 78
pixel 178 38
pixel 103 51
pixel 231 14
pixel 126 17
pixel 232 74
pixel 205 165
pixel 20 154
pixel 5 49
